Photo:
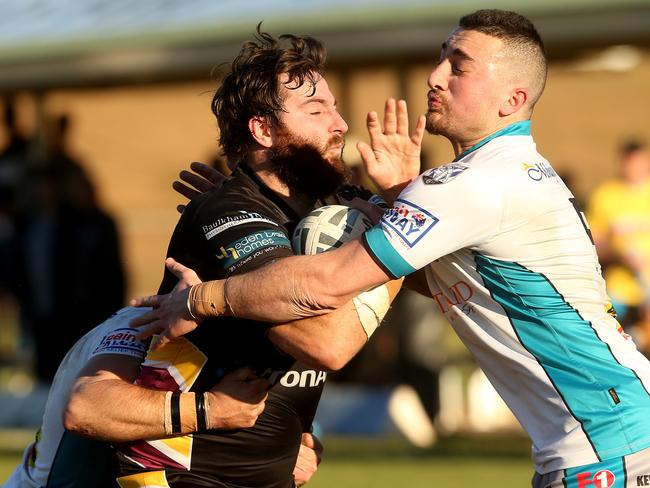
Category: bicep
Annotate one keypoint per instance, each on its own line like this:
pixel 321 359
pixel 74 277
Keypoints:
pixel 111 367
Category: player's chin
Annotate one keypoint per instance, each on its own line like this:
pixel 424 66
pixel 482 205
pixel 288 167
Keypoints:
pixel 335 159
pixel 433 123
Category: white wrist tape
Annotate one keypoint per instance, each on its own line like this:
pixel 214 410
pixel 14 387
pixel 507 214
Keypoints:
pixel 372 306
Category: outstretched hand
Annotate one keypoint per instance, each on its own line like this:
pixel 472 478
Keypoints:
pixel 392 159
pixel 204 179
pixel 169 317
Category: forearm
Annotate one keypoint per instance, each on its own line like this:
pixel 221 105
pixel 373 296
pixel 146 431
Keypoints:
pixel 303 286
pixel 115 411
pixel 329 341
pixel 326 342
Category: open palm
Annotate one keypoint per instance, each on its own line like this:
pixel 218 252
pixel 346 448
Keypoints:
pixel 392 159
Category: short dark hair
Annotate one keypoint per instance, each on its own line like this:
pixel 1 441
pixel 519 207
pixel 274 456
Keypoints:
pixel 518 35
pixel 631 146
pixel 251 87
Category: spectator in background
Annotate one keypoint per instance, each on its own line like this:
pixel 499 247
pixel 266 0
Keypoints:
pixel 619 216
pixel 13 161
pixel 67 256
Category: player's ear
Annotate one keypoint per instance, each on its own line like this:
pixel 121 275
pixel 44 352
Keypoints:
pixel 260 129
pixel 514 102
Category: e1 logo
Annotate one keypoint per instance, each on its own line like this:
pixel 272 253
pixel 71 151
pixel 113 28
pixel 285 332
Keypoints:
pixel 602 479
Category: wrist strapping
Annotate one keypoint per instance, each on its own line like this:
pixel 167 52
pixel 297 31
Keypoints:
pixel 372 306
pixel 207 300
pixel 168 413
pixel 206 405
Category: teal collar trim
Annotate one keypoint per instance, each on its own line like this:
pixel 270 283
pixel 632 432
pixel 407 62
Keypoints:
pixel 521 128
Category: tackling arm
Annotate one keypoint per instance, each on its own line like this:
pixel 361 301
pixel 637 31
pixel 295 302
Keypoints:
pixel 329 341
pixel 297 286
pixel 104 404
pixel 304 286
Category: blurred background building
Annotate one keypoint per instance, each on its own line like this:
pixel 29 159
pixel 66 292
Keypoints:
pixel 131 82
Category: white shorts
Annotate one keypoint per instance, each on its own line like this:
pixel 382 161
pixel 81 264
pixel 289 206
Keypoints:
pixel 631 471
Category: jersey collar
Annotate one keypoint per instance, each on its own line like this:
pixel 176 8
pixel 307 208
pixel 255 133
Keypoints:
pixel 521 128
pixel 268 193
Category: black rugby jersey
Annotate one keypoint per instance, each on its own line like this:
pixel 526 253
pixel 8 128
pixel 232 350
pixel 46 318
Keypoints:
pixel 234 229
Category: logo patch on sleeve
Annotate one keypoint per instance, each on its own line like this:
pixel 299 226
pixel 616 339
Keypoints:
pixel 230 221
pixel 409 221
pixel 121 341
pixel 443 174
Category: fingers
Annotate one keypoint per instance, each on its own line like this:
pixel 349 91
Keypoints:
pixel 311 441
pixel 152 301
pixel 307 440
pixel 318 446
pixel 402 118
pixel 374 127
pixel 147 331
pixel 199 182
pixel 179 270
pixel 187 277
pixel 367 155
pixel 144 319
pixel 390 117
pixel 418 134
pixel 211 174
pixel 183 189
pixel 370 210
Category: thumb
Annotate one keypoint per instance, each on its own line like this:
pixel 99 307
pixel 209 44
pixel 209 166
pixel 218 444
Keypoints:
pixel 175 267
pixel 307 440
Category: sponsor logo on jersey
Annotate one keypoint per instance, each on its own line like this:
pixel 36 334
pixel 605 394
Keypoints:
pixel 602 479
pixel 121 341
pixel 457 294
pixel 250 244
pixel 443 174
pixel 294 379
pixel 229 221
pixel 409 221
pixel 302 379
pixel 539 171
pixel 643 480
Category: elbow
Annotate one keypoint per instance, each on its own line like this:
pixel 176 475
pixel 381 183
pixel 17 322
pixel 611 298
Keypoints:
pixel 71 417
pixel 74 419
pixel 332 358
pixel 335 362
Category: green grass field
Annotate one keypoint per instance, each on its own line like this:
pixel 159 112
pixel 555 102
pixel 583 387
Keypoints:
pixel 489 462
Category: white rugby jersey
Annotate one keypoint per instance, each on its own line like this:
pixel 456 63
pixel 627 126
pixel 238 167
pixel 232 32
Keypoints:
pixel 510 262
pixel 36 470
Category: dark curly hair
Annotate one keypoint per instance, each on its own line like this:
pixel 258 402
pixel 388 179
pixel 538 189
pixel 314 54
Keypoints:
pixel 252 87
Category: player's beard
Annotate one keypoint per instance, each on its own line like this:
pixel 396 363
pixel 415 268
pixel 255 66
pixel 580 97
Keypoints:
pixel 307 169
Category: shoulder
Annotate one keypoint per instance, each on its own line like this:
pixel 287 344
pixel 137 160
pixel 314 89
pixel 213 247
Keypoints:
pixel 237 195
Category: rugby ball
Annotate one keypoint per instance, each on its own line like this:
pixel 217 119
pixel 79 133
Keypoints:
pixel 328 227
